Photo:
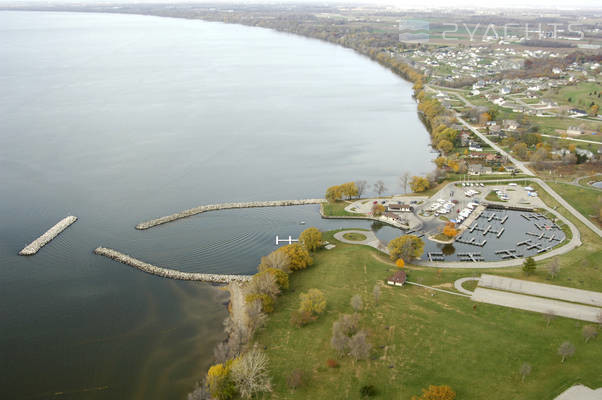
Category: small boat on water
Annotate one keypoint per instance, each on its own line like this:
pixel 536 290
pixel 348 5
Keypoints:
pixel 302 223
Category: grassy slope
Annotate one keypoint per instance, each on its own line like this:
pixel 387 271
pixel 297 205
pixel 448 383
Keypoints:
pixel 585 200
pixel 337 209
pixel 429 339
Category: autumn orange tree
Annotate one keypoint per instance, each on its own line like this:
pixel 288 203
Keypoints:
pixel 450 230
pixel 419 184
pixel 433 392
pixel 298 256
pixel 400 263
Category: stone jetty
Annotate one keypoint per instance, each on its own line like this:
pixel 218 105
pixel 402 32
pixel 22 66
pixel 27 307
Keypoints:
pixel 225 206
pixel 167 272
pixel 50 234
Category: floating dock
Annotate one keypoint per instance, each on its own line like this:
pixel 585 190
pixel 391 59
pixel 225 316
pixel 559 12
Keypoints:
pixel 50 234
pixel 167 272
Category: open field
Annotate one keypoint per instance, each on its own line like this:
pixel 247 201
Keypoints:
pixel 586 200
pixel 421 337
pixel 337 209
pixel 580 95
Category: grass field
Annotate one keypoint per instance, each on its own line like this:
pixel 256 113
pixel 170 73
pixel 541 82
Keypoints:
pixel 581 95
pixel 358 237
pixel 421 337
pixel 337 209
pixel 586 200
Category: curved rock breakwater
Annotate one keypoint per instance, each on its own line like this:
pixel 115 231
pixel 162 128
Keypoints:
pixel 225 206
pixel 50 234
pixel 167 272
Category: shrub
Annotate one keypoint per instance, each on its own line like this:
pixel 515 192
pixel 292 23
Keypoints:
pixel 332 363
pixel 367 391
pixel 280 276
pixel 301 318
pixel 529 265
pixel 250 373
pixel 313 301
pixel 267 301
pixel 433 392
pixel 295 379
pixel 311 238
pixel 220 383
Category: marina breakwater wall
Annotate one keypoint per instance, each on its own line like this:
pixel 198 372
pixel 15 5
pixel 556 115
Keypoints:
pixel 167 272
pixel 225 206
pixel 50 234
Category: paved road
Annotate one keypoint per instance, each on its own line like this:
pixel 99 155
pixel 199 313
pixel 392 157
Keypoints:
pixel 573 139
pixel 520 165
pixel 458 284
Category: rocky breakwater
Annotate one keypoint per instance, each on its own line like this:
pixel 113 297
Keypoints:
pixel 50 234
pixel 167 272
pixel 225 206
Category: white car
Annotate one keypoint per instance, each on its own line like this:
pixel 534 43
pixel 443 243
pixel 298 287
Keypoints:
pixel 512 184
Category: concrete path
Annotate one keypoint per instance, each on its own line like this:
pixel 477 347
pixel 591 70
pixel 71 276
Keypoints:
pixel 458 285
pixel 536 304
pixel 541 289
pixel 371 239
pixel 580 392
pixel 570 138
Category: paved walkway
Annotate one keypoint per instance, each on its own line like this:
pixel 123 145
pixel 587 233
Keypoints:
pixel 580 392
pixel 371 239
pixel 536 304
pixel 458 285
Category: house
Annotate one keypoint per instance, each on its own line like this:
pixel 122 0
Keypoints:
pixel 584 153
pixel 491 157
pixel 574 130
pixel 505 90
pixel 510 124
pixel 495 129
pixel 577 112
pixel 393 207
pixel 474 146
pixel 398 279
pixel 478 169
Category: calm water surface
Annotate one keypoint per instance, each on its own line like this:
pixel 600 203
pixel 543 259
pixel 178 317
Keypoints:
pixel 117 119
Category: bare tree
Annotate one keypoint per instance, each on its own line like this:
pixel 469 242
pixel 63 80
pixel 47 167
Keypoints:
pixel 404 180
pixel 263 284
pixel 339 342
pixel 357 303
pixel 256 317
pixel 359 348
pixel 524 371
pixel 549 316
pixel 276 259
pixel 376 293
pixel 589 332
pixel 554 268
pixel 250 373
pixel 566 350
pixel 379 187
pixel 361 187
pixel 295 379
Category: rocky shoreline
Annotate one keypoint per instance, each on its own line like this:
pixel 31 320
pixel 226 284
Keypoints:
pixel 224 206
pixel 50 234
pixel 167 272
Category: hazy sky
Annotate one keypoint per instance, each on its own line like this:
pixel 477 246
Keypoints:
pixel 410 4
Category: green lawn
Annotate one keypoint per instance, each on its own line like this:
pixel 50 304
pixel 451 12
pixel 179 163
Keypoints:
pixel 492 196
pixel 358 237
pixel 579 94
pixel 421 337
pixel 337 209
pixel 586 200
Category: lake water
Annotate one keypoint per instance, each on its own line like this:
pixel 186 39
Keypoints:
pixel 117 119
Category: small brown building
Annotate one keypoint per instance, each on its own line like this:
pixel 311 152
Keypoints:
pixel 398 279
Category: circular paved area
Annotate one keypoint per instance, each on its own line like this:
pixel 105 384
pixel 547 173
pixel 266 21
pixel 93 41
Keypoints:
pixel 371 239
pixel 460 288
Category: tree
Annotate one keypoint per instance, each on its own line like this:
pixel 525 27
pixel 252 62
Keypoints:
pixel 554 268
pixel 404 179
pixel 267 301
pixel 529 265
pixel 301 318
pixel 380 188
pixel 357 303
pixel 419 184
pixel 361 187
pixel 520 149
pixel 449 230
pixel 378 210
pixel 334 193
pixel 298 256
pixel 445 146
pixel 276 259
pixel 524 371
pixel 279 275
pixel 406 247
pixel 359 347
pixel 400 263
pixel 250 373
pixel 593 110
pixel 220 383
pixel 313 301
pixel 376 293
pixel 349 189
pixel 311 238
pixel 589 332
pixel 441 162
pixel 566 350
pixel 442 392
pixel 264 283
